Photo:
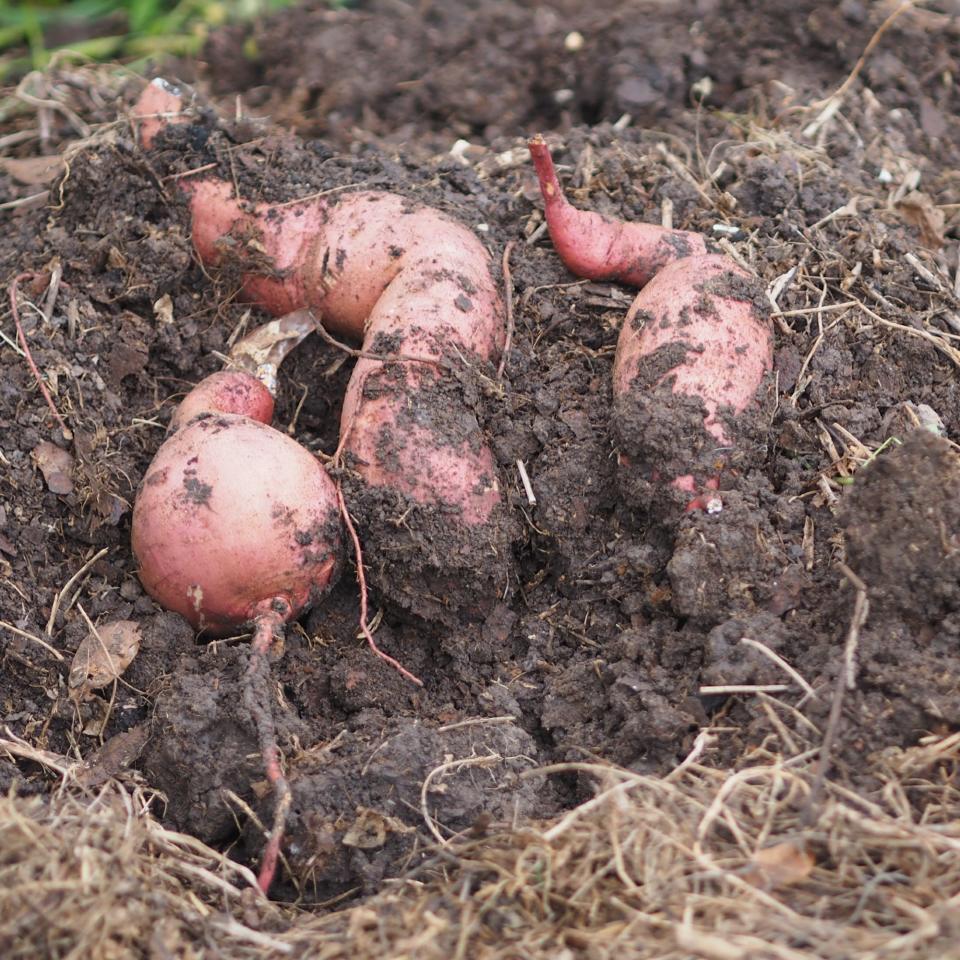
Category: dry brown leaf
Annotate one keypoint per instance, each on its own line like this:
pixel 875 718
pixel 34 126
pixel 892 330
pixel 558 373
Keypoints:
pixel 113 757
pixel 920 211
pixel 56 465
pixel 32 171
pixel 103 656
pixel 781 865
pixel 371 828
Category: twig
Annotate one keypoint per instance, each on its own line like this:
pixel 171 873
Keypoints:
pixel 23 201
pixel 443 768
pixel 525 480
pixel 743 688
pixel 362 581
pixel 55 608
pixel 845 680
pixel 832 103
pixel 508 306
pixel 780 662
pixel 26 351
pixel 29 636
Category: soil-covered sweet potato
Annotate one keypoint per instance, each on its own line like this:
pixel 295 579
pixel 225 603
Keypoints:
pixel 694 349
pixel 415 288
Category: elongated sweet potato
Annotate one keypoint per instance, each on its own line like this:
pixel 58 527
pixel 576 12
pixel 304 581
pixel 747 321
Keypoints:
pixel 415 287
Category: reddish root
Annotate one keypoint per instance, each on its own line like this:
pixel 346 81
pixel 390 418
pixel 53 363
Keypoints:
pixel 508 306
pixel 362 580
pixel 14 309
pixel 256 697
pixel 550 188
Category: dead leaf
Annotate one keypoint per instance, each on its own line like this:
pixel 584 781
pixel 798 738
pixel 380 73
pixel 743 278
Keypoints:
pixel 56 465
pixel 920 211
pixel 113 757
pixel 32 171
pixel 781 865
pixel 103 656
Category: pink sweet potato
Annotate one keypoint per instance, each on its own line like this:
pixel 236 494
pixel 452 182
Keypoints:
pixel 600 248
pixel 416 289
pixel 234 519
pixel 709 313
pixel 706 304
pixel 236 524
pixel 698 324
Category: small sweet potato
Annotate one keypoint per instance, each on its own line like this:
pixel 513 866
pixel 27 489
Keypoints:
pixel 235 519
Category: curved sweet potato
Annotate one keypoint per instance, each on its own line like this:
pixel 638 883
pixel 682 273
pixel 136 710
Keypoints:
pixel 416 288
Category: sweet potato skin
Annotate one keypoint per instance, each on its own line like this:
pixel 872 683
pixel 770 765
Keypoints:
pixel 226 391
pixel 707 304
pixel 231 515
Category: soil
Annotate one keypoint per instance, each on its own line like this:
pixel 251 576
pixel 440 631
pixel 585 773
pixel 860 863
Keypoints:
pixel 611 606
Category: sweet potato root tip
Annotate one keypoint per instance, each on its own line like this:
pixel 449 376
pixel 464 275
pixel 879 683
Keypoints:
pixel 599 248
pixel 160 104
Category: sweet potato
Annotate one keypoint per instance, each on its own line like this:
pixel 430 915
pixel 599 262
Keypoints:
pixel 236 524
pixel 698 325
pixel 235 519
pixel 598 247
pixel 415 287
pixel 700 329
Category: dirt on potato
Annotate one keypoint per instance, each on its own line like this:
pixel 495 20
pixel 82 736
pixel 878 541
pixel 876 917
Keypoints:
pixel 600 619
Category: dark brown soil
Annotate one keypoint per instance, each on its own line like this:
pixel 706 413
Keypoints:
pixel 611 607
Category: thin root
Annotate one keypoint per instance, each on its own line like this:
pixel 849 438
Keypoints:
pixel 362 580
pixel 508 306
pixel 14 309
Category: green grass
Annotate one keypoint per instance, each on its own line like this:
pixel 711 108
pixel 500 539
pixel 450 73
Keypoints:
pixel 130 30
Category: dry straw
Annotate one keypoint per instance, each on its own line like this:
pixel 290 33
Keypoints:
pixel 709 863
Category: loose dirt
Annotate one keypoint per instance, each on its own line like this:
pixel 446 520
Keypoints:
pixel 608 624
